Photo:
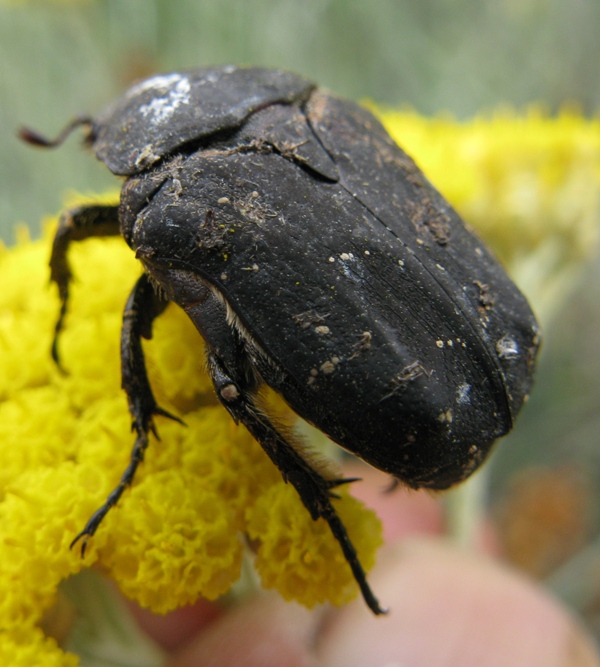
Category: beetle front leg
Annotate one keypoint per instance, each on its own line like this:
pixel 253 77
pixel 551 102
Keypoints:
pixel 142 307
pixel 76 224
pixel 313 489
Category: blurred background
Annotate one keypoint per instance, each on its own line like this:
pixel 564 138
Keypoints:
pixel 60 59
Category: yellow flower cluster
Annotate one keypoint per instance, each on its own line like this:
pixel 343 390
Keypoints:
pixel 531 185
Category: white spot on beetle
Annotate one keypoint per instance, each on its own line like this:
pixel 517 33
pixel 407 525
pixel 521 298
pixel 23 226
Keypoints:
pixel 327 367
pixel 160 82
pixel 332 259
pixel 176 91
pixel 445 417
pixel 146 157
pixel 322 330
pixel 400 262
pixel 367 252
pixel 463 394
pixel 507 347
pixel 345 257
pixel 223 200
pixel 362 346
pixel 177 188
pixel 224 277
pixel 439 343
pixel 229 392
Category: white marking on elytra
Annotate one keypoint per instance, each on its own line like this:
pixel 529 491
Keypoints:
pixel 445 417
pixel 327 367
pixel 507 347
pixel 463 394
pixel 175 89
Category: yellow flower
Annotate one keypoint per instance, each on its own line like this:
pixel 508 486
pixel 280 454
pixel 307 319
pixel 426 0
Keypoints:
pixel 531 187
pixel 313 569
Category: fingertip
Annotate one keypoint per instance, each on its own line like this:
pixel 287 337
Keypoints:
pixel 451 608
pixel 174 629
pixel 263 632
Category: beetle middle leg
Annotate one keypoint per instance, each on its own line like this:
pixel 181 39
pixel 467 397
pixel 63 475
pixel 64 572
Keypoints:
pixel 76 224
pixel 314 489
pixel 143 306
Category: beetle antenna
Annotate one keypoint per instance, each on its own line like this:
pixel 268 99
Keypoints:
pixel 37 139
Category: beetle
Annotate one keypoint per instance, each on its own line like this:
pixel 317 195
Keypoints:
pixel 312 255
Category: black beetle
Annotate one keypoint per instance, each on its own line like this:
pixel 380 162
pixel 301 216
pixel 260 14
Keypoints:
pixel 312 255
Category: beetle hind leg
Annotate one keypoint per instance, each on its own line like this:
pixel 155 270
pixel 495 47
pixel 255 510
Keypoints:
pixel 76 224
pixel 313 489
pixel 142 307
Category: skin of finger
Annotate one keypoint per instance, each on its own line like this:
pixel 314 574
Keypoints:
pixel 402 511
pixel 172 630
pixel 263 632
pixel 406 512
pixel 452 608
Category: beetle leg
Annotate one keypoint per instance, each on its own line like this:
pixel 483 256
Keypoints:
pixel 313 489
pixel 142 307
pixel 77 224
